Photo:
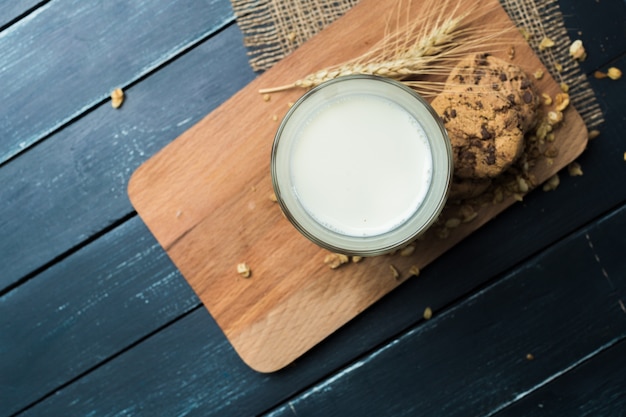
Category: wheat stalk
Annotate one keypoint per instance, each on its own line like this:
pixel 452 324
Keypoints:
pixel 428 46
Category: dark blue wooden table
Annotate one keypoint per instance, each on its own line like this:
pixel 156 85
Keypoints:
pixel 529 312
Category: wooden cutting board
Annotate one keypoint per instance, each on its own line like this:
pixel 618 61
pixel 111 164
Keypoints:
pixel 205 197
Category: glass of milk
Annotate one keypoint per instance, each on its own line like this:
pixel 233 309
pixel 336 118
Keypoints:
pixel 361 165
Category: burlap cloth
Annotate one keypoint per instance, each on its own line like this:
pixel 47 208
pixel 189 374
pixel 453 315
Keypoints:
pixel 274 28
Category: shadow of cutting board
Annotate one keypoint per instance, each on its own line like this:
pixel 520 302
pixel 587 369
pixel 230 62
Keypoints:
pixel 205 197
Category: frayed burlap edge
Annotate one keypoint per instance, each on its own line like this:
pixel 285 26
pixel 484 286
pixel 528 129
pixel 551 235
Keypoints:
pixel 274 28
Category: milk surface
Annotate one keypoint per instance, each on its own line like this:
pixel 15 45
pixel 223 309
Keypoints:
pixel 361 165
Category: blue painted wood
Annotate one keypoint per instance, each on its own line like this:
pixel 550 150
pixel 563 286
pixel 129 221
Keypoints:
pixel 595 388
pixel 12 11
pixel 469 358
pixel 74 184
pixel 68 56
pixel 603 39
pixel 80 312
pixel 438 286
pixel 472 359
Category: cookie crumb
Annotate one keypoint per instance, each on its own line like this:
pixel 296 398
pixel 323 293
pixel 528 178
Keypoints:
pixel 538 74
pixel 272 197
pixel 414 270
pixel 558 67
pixel 274 117
pixel 244 270
pixel 547 100
pixel 267 97
pixel 117 98
pixel 428 313
pixel 291 37
pixel 574 169
pixel 530 356
pixel 356 259
pixel 564 87
pixel 594 134
pixel 335 260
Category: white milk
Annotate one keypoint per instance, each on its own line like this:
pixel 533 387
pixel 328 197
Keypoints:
pixel 361 165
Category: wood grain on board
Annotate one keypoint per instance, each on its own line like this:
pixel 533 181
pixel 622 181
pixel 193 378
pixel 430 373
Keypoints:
pixel 205 197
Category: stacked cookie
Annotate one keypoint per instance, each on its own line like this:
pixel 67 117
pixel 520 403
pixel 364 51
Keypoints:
pixel 487 107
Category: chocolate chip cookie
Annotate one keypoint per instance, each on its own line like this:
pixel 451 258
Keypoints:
pixel 487 107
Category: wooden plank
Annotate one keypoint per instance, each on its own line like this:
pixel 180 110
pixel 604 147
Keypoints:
pixel 80 312
pixel 595 388
pixel 560 307
pixel 12 11
pixel 471 356
pixel 73 185
pixel 196 198
pixel 66 57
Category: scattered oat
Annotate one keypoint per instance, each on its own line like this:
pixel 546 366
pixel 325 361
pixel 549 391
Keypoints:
pixel 551 151
pixel 274 117
pixel 525 33
pixel 467 213
pixel 290 104
pixel 291 36
pixel 178 213
pixel 577 50
pixel 574 169
pixel 564 87
pixel 356 259
pixel 443 233
pixel 512 53
pixel 428 313
pixel 600 75
pixel 538 74
pixel 117 98
pixel 530 356
pixel 552 183
pixel 558 66
pixel 267 97
pixel 614 73
pixel 522 185
pixel 545 43
pixel 518 197
pixel 335 260
pixel 547 100
pixel 453 223
pixel 561 101
pixel 394 272
pixel 624 156
pixel 244 270
pixel 272 197
pixel 407 251
pixel 414 270
pixel 594 134
pixel 555 117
